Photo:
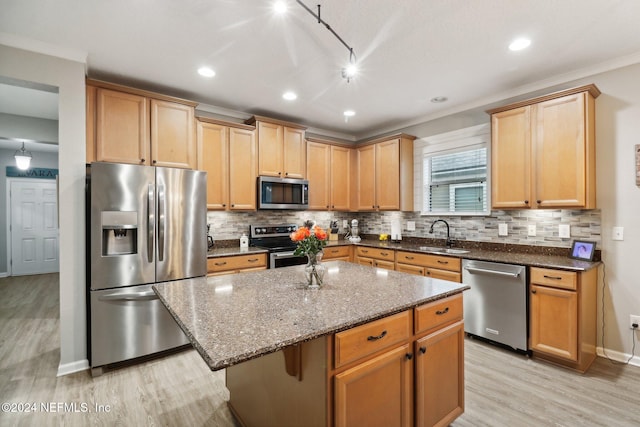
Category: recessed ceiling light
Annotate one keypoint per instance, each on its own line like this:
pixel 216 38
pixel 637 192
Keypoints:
pixel 206 72
pixel 349 113
pixel 439 99
pixel 519 44
pixel 280 7
pixel 289 96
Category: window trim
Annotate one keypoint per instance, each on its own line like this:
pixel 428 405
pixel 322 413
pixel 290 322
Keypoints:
pixel 457 140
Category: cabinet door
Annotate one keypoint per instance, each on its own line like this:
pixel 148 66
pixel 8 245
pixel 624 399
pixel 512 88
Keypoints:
pixel 173 142
pixel 294 153
pixel 214 159
pixel 340 178
pixel 511 159
pixel 366 163
pixel 560 152
pixel 270 143
pixel 554 321
pixel 122 127
pixel 387 265
pixel 376 392
pixel 440 376
pixel 364 261
pixel 387 176
pixel 318 174
pixel 243 167
pixel 451 276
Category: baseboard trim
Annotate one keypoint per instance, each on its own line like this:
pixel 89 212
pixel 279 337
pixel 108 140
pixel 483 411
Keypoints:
pixel 73 367
pixel 618 356
pixel 4 274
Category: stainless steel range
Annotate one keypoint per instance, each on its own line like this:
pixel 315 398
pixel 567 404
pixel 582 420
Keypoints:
pixel 276 239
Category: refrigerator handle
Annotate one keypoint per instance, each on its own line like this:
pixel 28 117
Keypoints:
pixel 151 222
pixel 161 222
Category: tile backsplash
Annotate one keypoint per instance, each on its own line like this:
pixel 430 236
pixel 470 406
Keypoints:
pixel 584 224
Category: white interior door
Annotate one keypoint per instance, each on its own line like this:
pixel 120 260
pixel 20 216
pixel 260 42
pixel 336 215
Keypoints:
pixel 34 227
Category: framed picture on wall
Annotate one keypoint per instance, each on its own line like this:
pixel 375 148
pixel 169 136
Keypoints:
pixel 583 250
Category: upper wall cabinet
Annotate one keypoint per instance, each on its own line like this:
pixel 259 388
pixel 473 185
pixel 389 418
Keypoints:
pixel 329 174
pixel 281 148
pixel 385 174
pixel 126 125
pixel 227 152
pixel 543 151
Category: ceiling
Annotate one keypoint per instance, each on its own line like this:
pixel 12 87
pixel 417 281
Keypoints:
pixel 408 52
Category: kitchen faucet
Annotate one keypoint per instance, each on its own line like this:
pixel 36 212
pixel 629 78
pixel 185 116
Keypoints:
pixel 449 242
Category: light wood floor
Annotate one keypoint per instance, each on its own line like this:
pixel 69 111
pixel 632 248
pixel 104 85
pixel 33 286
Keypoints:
pixel 502 388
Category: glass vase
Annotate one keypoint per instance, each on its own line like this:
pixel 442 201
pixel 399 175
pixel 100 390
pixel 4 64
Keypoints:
pixel 314 271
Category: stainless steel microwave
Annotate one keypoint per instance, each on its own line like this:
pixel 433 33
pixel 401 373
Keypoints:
pixel 282 193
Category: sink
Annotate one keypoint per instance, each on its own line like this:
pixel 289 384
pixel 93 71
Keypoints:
pixel 443 250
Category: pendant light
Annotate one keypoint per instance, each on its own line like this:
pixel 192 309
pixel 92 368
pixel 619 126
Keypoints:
pixel 23 158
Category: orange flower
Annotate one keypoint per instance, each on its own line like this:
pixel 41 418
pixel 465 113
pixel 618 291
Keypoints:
pixel 320 233
pixel 300 234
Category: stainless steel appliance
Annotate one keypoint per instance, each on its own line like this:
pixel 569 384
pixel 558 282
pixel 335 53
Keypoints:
pixel 495 307
pixel 276 239
pixel 282 193
pixel 145 225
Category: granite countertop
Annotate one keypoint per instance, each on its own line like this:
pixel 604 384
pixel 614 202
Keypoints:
pixel 509 254
pixel 233 318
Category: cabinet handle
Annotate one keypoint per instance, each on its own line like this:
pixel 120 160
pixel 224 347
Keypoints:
pixel 221 263
pixel 441 312
pixel 533 291
pixel 552 277
pixel 428 273
pixel 279 173
pixel 154 161
pixel 252 260
pixel 334 251
pixel 233 205
pixel 526 202
pixel 364 252
pixel 409 356
pixel 224 205
pixel 373 206
pixel 327 206
pixel 423 350
pixel 286 174
pixel 333 206
pixel 378 207
pixel 377 337
pixel 141 160
pixel 384 253
pixel 443 262
pixel 408 257
pixel 538 201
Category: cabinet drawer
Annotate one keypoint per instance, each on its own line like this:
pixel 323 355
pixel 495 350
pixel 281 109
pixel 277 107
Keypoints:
pixel 411 269
pixel 438 313
pixel 376 253
pixel 336 252
pixel 427 260
pixel 555 278
pixel 451 276
pixel 237 262
pixel 369 338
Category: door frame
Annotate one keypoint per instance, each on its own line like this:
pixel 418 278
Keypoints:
pixel 11 180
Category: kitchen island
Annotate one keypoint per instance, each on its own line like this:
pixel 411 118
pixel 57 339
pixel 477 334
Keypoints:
pixel 372 347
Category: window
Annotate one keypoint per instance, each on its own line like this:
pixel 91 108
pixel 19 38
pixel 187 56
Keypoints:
pixel 455 173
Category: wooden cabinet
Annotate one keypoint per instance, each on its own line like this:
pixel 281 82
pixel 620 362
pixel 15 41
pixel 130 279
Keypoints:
pixel 281 148
pixel 543 151
pixel 385 174
pixel 435 266
pixel 329 175
pixel 126 125
pixel 337 253
pixel 228 154
pixel 375 257
pixel 236 264
pixel 563 316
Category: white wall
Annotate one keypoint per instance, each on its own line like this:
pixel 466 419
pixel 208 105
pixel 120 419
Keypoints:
pixel 69 77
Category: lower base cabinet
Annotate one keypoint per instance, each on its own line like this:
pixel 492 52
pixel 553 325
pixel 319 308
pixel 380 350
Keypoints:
pixel 399 371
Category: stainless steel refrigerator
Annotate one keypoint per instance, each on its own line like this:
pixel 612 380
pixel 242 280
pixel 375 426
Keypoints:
pixel 145 225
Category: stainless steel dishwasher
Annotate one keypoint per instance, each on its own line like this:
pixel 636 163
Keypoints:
pixel 495 307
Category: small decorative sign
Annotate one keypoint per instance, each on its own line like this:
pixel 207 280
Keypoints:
pixel 638 165
pixel 40 173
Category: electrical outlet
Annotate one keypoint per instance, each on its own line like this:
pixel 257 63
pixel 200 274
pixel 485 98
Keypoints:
pixel 634 319
pixel 345 223
pixel 531 230
pixel 564 231
pixel 411 226
pixel 617 233
pixel 503 230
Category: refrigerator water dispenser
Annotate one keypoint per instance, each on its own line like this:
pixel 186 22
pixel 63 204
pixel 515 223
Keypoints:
pixel 119 233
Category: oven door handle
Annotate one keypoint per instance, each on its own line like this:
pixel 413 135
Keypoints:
pixel 474 270
pixel 282 255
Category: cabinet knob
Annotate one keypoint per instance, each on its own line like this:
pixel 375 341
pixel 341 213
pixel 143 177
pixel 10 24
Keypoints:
pixel 526 202
pixel 233 206
pixel 373 206
pixel 423 350
pixel 279 173
pixel 224 205
pixel 154 161
pixel 533 291
pixel 141 160
pixel 409 356
pixel 327 206
pixel 286 174
pixel 538 201
pixel 333 206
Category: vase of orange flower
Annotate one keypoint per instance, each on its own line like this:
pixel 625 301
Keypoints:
pixel 311 240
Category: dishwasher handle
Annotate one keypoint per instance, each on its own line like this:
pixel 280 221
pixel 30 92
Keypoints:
pixel 473 270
